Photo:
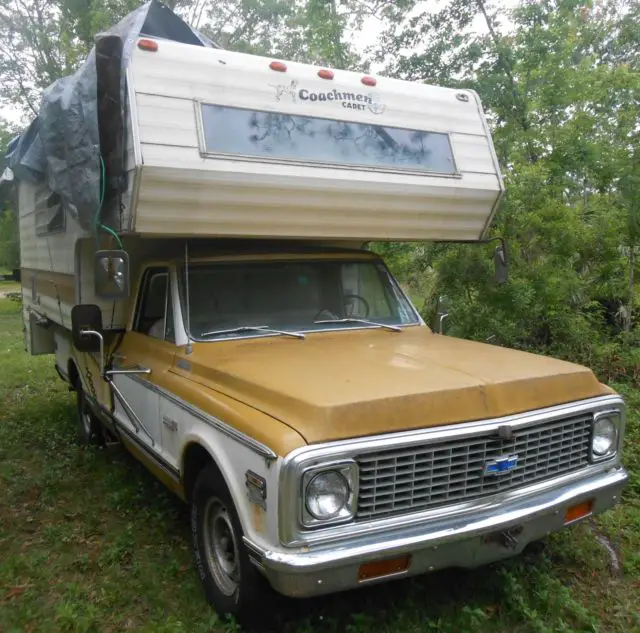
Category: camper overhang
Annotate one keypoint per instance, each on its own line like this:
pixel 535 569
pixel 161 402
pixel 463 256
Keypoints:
pixel 224 145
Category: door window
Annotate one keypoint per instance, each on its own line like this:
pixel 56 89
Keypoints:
pixel 155 309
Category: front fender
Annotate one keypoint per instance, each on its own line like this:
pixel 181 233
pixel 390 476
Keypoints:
pixel 233 460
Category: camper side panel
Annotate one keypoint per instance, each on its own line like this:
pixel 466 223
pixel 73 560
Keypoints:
pixel 56 258
pixel 47 238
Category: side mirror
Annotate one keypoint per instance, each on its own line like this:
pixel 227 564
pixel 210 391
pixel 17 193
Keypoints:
pixel 501 263
pixel 86 328
pixel 111 274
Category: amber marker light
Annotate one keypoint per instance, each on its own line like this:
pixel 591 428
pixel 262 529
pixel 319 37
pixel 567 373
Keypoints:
pixel 381 568
pixel 579 511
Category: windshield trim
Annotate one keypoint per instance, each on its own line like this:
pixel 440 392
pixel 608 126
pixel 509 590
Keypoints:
pixel 395 286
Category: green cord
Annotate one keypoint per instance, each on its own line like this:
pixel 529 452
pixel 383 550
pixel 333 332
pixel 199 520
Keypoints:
pixel 112 232
pixel 103 188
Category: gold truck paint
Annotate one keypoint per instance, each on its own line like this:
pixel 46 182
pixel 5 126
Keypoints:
pixel 338 385
pixel 161 357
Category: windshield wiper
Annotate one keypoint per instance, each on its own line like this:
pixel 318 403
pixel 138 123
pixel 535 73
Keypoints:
pixel 254 328
pixel 385 326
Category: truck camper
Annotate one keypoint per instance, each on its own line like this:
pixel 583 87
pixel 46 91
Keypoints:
pixel 192 257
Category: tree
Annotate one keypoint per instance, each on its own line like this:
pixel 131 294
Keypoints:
pixel 43 40
pixel 9 243
pixel 562 91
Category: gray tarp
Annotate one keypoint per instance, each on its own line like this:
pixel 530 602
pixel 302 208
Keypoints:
pixel 62 144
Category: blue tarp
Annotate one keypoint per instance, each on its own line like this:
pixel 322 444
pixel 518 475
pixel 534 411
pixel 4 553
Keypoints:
pixel 62 145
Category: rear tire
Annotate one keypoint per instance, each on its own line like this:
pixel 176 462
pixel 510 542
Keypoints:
pixel 90 431
pixel 231 583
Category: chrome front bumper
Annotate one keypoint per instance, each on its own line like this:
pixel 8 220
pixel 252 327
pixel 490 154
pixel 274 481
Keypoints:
pixel 471 540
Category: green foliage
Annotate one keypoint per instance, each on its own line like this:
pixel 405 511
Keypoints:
pixel 43 40
pixel 562 90
pixel 9 242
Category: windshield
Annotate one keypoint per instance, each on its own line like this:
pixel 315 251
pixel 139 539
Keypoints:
pixel 244 299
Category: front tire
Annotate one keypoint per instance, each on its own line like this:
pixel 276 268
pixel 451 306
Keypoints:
pixel 90 430
pixel 231 583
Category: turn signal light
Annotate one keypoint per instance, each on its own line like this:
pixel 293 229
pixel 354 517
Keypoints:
pixel 380 568
pixel 579 511
pixel 148 45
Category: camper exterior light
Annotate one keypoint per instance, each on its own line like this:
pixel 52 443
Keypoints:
pixel 325 73
pixel 369 81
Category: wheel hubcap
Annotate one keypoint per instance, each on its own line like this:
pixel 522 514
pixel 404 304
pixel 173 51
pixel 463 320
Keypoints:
pixel 221 547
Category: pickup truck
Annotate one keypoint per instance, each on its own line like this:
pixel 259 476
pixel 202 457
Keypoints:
pixel 325 437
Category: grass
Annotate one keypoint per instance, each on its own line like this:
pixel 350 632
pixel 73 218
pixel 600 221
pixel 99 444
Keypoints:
pixel 9 288
pixel 90 542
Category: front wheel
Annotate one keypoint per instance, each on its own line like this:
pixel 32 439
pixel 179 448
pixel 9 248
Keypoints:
pixel 89 426
pixel 231 583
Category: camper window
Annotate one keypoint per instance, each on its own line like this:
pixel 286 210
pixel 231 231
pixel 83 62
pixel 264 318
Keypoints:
pixel 50 216
pixel 155 314
pixel 278 136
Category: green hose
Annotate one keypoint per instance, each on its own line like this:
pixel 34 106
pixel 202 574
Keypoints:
pixel 103 188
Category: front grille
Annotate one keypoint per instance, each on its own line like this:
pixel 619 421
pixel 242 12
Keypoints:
pixel 424 476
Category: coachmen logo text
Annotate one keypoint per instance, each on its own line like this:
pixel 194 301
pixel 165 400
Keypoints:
pixel 349 100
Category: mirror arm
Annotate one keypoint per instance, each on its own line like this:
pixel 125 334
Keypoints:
pixel 488 240
pixel 101 339
pixel 124 372
pixel 441 321
pixel 503 243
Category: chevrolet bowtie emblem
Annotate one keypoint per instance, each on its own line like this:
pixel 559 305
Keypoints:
pixel 501 465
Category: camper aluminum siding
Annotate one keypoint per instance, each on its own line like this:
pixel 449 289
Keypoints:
pixel 47 240
pixel 183 188
pixel 56 257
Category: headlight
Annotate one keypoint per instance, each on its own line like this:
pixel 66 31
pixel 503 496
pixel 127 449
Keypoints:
pixel 329 494
pixel 604 438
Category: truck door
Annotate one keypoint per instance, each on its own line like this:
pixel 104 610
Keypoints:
pixel 149 345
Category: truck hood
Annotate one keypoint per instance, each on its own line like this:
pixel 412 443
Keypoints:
pixel 338 385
